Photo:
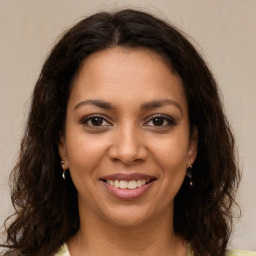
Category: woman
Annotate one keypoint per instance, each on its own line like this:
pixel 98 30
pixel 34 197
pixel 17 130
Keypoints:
pixel 127 150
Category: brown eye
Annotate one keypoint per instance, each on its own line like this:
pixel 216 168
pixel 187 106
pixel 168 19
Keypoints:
pixel 158 121
pixel 94 121
pixel 97 121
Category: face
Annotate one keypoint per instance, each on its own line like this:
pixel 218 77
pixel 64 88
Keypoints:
pixel 127 143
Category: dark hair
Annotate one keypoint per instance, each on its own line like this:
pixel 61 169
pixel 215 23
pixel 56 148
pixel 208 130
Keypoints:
pixel 46 214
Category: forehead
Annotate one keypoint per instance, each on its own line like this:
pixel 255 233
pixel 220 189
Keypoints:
pixel 123 74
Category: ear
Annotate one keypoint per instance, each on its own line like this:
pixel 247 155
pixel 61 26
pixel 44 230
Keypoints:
pixel 62 149
pixel 192 149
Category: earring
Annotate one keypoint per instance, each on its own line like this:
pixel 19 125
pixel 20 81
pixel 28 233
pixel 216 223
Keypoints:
pixel 189 175
pixel 63 168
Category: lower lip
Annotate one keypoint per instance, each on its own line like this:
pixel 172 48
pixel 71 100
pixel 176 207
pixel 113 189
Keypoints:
pixel 128 194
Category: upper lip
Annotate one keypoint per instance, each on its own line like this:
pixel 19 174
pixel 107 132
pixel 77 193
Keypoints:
pixel 128 176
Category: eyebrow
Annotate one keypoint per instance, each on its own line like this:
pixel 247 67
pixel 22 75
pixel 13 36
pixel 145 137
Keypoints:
pixel 97 103
pixel 159 103
pixel 145 106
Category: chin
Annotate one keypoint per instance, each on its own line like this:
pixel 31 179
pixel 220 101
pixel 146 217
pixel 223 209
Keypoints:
pixel 128 217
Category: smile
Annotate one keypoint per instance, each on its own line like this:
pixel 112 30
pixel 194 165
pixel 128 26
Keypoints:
pixel 128 186
pixel 123 184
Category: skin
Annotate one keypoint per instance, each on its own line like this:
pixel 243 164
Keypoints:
pixel 128 139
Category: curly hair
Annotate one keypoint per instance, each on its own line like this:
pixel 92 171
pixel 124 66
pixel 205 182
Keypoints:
pixel 46 208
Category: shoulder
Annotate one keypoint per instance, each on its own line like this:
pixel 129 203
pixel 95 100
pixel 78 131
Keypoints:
pixel 240 253
pixel 233 253
pixel 63 251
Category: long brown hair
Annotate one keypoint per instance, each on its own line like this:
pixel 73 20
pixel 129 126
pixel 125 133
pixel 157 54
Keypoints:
pixel 46 209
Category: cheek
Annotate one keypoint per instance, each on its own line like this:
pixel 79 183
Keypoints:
pixel 171 156
pixel 85 156
pixel 84 152
pixel 172 152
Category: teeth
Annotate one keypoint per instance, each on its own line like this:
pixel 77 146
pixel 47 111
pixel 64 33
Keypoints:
pixel 139 183
pixel 116 183
pixel 123 184
pixel 132 184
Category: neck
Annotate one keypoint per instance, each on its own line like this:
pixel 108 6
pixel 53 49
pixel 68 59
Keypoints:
pixel 97 237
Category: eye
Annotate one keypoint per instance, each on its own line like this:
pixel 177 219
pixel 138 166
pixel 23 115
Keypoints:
pixel 95 121
pixel 160 120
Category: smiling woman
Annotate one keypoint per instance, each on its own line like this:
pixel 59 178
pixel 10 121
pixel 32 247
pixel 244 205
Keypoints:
pixel 127 150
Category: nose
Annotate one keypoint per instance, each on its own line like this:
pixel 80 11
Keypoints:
pixel 128 146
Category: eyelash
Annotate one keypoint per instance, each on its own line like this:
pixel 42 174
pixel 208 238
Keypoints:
pixel 165 118
pixel 86 119
pixel 170 121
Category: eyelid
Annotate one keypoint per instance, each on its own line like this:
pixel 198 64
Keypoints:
pixel 171 121
pixel 168 118
pixel 86 118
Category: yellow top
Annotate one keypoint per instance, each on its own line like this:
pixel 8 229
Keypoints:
pixel 240 253
pixel 63 251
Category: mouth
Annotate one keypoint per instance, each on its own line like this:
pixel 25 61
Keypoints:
pixel 124 184
pixel 128 186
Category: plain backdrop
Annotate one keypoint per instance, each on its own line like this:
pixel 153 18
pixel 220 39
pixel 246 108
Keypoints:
pixel 223 31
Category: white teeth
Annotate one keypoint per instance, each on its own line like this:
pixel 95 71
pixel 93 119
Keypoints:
pixel 139 183
pixel 132 184
pixel 116 183
pixel 123 184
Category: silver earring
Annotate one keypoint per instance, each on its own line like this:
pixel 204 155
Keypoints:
pixel 63 168
pixel 189 175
